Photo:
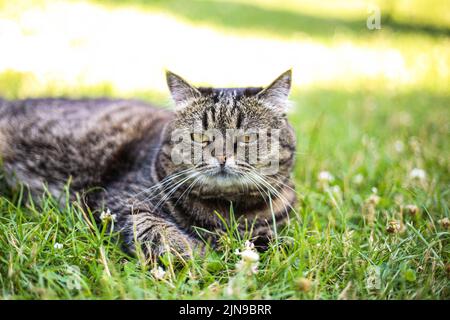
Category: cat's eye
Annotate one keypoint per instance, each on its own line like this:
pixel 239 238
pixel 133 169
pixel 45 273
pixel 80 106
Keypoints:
pixel 200 138
pixel 247 138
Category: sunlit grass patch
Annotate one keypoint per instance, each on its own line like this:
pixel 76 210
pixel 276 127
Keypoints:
pixel 119 47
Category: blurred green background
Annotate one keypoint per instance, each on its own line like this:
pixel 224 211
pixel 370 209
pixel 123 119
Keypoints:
pixel 113 47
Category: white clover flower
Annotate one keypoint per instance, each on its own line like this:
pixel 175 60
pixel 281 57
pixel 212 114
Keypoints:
pixel 106 216
pixel 254 268
pixel 374 190
pixel 249 259
pixel 399 146
pixel 249 268
pixel 395 226
pixel 411 209
pixel 358 179
pixel 336 192
pixel 325 177
pixel 249 245
pixel 444 222
pixel 417 173
pixel 373 199
pixel 158 273
pixel 336 189
pixel 398 199
pixel 249 256
pixel 58 246
pixel 229 289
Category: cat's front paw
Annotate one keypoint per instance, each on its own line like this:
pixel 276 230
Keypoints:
pixel 178 245
pixel 155 238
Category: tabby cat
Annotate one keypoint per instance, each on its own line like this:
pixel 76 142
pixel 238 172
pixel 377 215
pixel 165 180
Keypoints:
pixel 119 156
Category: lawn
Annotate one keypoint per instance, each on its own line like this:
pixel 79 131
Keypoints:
pixel 372 176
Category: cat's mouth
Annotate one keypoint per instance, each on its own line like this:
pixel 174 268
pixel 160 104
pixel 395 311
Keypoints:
pixel 224 173
pixel 224 182
pixel 223 177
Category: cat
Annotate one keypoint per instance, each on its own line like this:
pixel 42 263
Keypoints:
pixel 120 156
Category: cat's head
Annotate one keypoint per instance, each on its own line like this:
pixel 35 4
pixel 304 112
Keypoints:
pixel 233 139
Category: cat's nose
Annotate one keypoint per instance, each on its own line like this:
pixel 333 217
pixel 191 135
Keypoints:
pixel 222 160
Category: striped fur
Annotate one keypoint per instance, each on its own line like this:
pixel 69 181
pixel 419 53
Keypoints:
pixel 117 154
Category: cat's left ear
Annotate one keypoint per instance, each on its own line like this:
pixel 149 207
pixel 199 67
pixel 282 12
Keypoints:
pixel 180 89
pixel 277 93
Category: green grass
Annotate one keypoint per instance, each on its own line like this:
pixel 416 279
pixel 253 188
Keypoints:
pixel 331 242
pixel 337 240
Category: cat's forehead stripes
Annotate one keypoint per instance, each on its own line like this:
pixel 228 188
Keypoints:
pixel 218 94
pixel 225 110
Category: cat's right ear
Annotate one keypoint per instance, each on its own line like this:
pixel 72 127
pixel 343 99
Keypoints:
pixel 180 89
pixel 276 94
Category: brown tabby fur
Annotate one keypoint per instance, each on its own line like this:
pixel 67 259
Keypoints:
pixel 123 147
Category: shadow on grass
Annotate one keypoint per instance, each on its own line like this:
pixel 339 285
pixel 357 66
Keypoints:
pixel 244 16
